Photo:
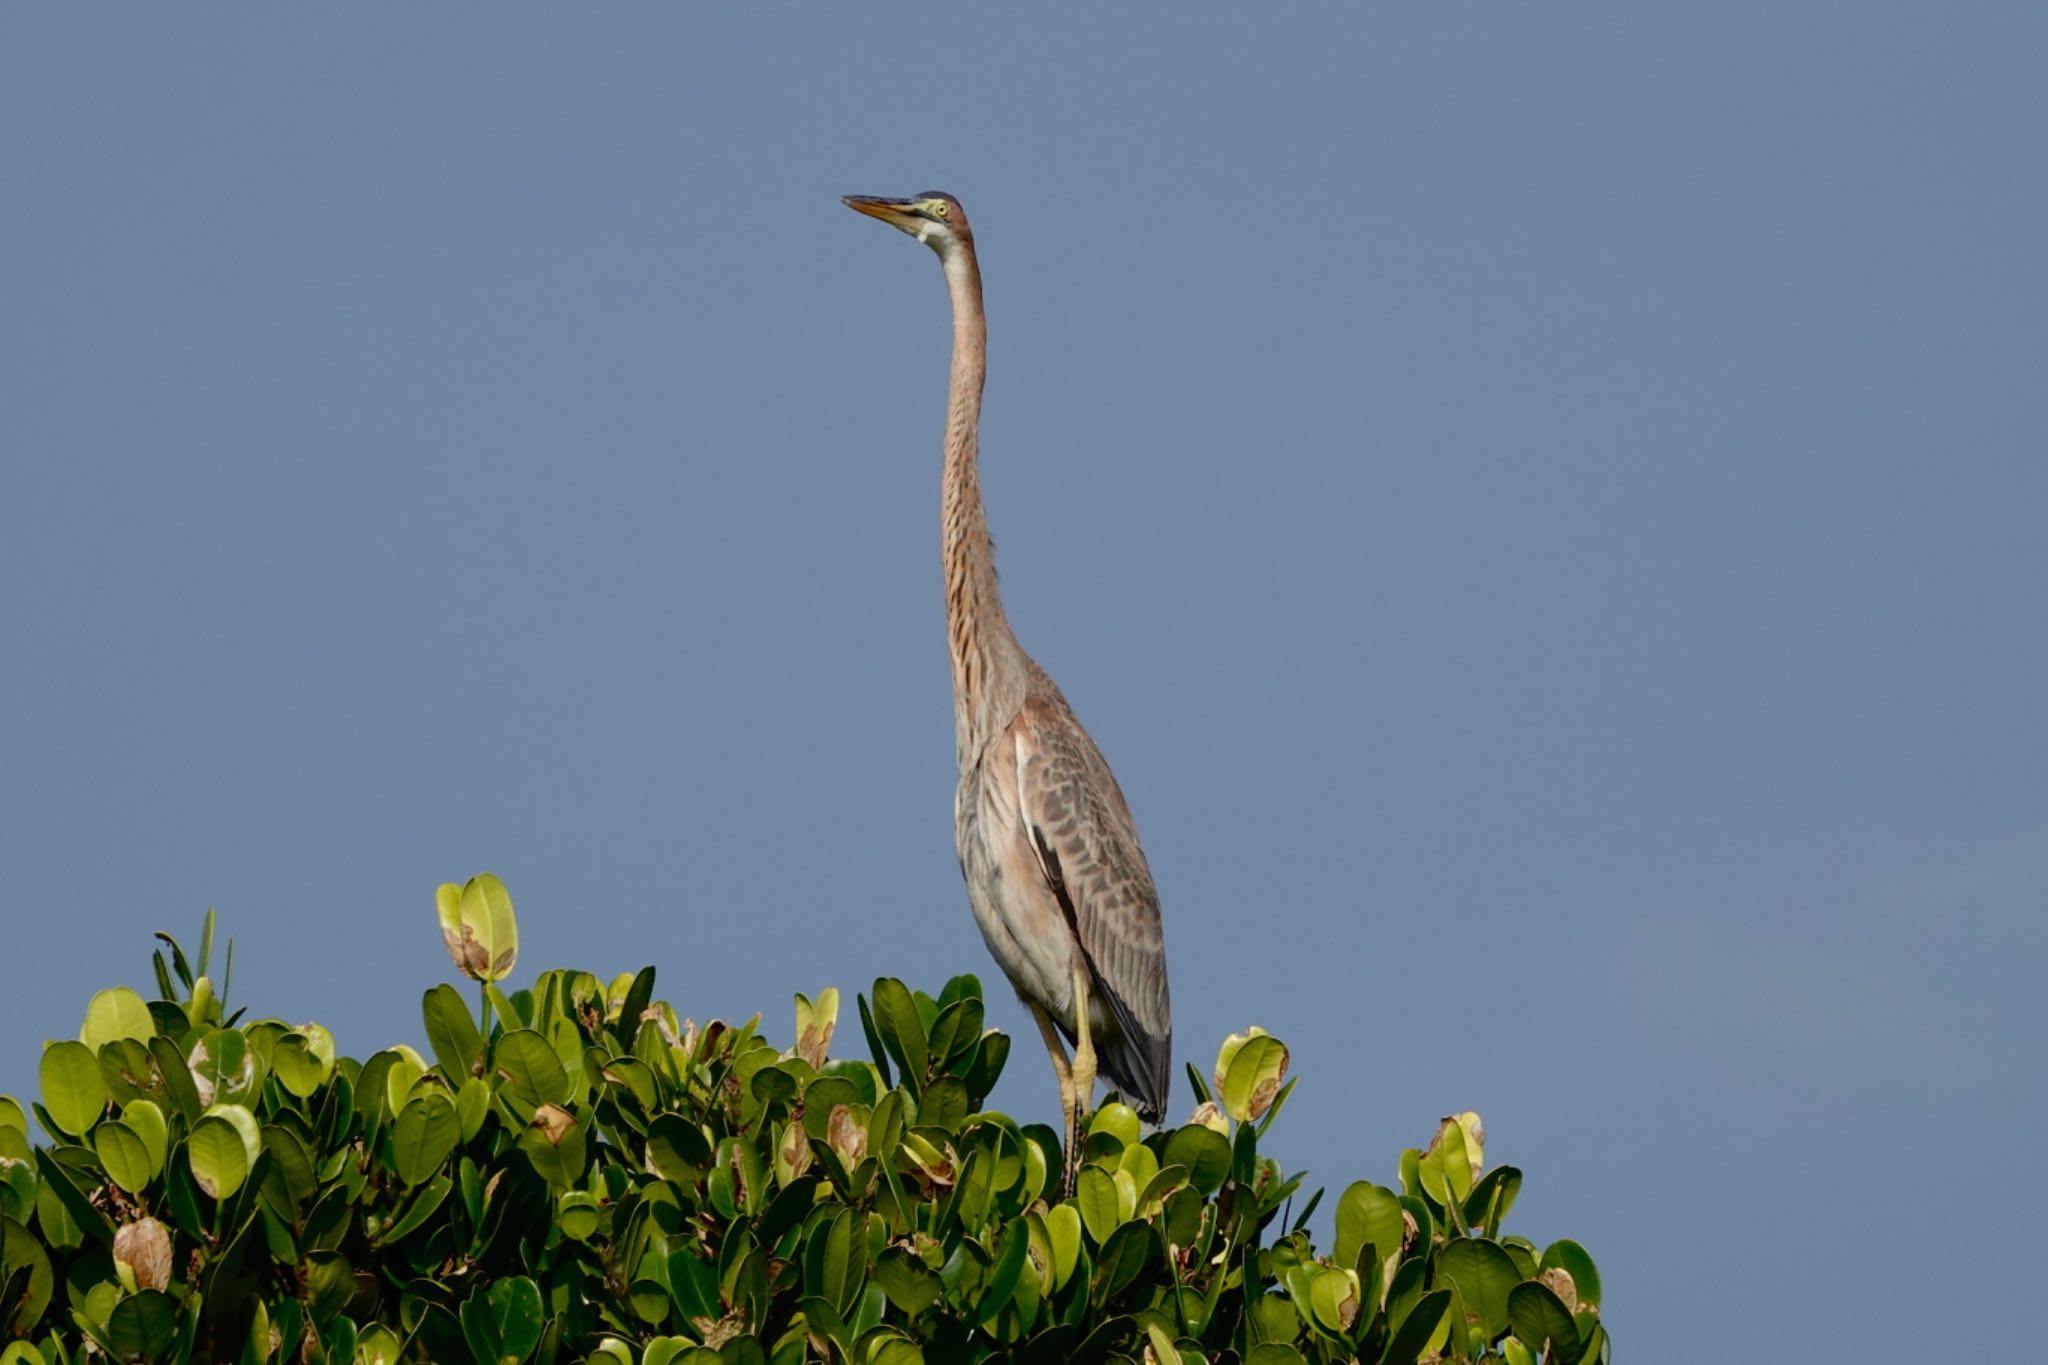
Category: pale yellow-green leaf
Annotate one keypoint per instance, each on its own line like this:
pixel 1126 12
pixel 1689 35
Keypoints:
pixel 147 1122
pixel 1118 1119
pixel 1063 1230
pixel 1229 1050
pixel 73 1091
pixel 1334 1297
pixel 223 1146
pixel 408 1067
pixel 123 1153
pixel 116 1013
pixel 379 1345
pixel 1449 1154
pixel 487 919
pixel 1252 1077
pixel 816 1021
pixel 303 1059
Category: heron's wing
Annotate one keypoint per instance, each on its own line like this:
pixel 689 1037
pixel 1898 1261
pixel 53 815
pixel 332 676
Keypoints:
pixel 1087 847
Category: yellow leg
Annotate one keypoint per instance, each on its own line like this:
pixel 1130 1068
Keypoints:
pixel 1071 1131
pixel 1082 1071
pixel 1080 1079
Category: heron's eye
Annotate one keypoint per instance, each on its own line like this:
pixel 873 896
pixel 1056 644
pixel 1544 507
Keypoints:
pixel 938 208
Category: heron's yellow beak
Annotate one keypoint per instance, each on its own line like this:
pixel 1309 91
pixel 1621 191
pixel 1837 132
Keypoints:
pixel 897 213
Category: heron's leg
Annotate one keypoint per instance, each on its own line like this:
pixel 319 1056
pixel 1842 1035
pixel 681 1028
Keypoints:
pixel 1057 1050
pixel 1083 1068
pixel 1081 1074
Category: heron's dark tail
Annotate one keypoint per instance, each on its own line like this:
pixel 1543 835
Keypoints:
pixel 1142 1070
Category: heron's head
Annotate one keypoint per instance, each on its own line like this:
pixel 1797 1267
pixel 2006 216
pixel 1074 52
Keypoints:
pixel 934 218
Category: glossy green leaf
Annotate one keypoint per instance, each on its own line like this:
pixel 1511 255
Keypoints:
pixel 176 1075
pixel 1446 1169
pixel 676 1148
pixel 636 1078
pixel 955 1031
pixel 1367 1215
pixel 1204 1152
pixel 330 1283
pixel 1004 1274
pixel 143 1325
pixel 963 987
pixel 223 1146
pixel 116 1013
pixel 391 1076
pixel 518 1315
pixel 1567 1255
pixel 225 1069
pixel 1118 1120
pixel 17 1177
pixel 578 1215
pixel 291 1181
pixel 146 1120
pixel 25 1269
pixel 124 1154
pixel 1160 1345
pixel 1485 1275
pixel 1274 1353
pixel 128 1070
pixel 530 1069
pixel 835 1260
pixel 897 1351
pixel 910 1284
pixel 1063 1230
pixel 816 1021
pixel 74 1095
pixel 872 1031
pixel 303 1059
pixel 379 1345
pixel 1095 1198
pixel 425 1133
pixel 558 1146
pixel 902 1030
pixel 1125 1256
pixel 473 1106
pixel 1422 1330
pixel 693 1284
pixel 426 1202
pixel 1542 1322
pixel 1490 1200
pixel 1333 1299
pixel 66 1212
pixel 1253 1076
pixel 478 927
pixel 986 1066
pixel 451 1033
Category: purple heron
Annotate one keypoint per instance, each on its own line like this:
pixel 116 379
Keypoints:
pixel 1054 871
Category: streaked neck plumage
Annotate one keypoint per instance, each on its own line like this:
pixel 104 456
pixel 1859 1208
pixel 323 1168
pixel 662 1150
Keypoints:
pixel 990 669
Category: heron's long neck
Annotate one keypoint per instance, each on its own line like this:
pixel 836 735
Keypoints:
pixel 989 667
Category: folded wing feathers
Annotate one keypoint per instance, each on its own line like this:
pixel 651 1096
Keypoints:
pixel 1088 849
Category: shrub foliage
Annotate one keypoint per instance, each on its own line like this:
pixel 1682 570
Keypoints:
pixel 574 1172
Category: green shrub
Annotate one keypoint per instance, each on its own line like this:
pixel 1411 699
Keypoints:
pixel 576 1173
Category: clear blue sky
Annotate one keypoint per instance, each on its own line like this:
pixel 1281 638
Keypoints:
pixel 1546 510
